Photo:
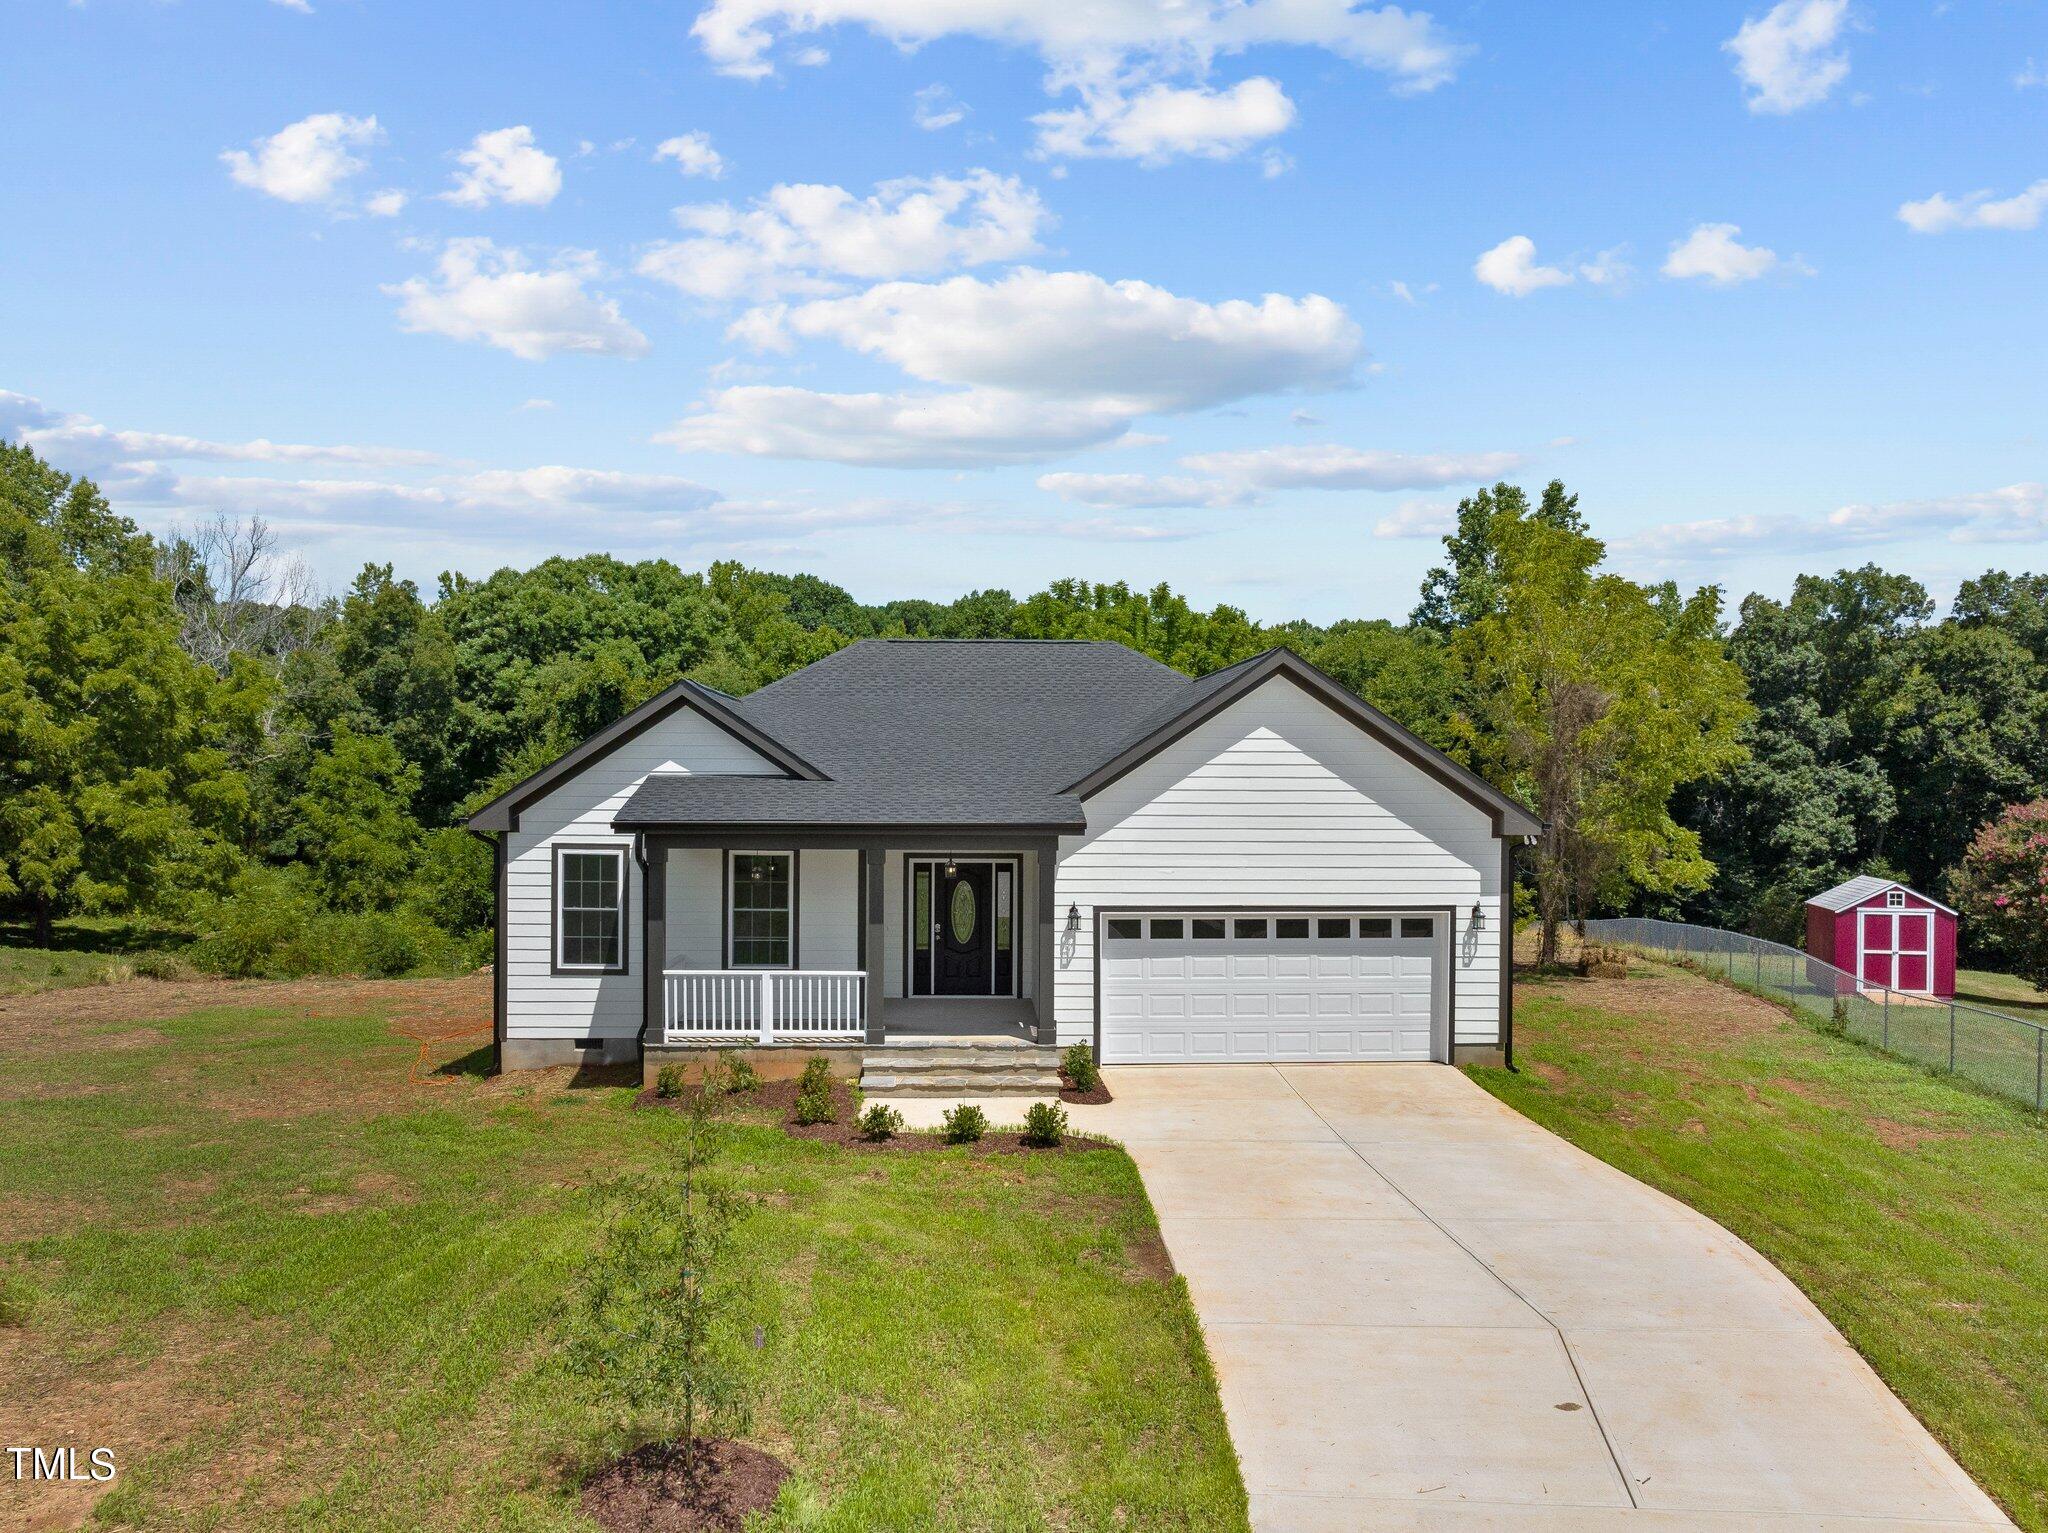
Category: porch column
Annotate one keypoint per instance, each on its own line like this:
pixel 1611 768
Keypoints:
pixel 874 945
pixel 654 940
pixel 1048 937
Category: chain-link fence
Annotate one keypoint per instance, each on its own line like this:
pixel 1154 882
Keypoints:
pixel 2006 1054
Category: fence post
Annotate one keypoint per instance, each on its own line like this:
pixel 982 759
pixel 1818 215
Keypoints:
pixel 1951 1037
pixel 2039 1036
pixel 767 1006
pixel 1759 967
pixel 1887 1016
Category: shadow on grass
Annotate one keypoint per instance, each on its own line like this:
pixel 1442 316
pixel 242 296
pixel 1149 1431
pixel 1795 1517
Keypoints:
pixel 117 936
pixel 476 1064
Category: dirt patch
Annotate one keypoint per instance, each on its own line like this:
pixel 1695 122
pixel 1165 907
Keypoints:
pixel 373 1187
pixel 649 1491
pixel 775 1102
pixel 134 1038
pixel 27 1216
pixel 1894 1135
pixel 1146 1260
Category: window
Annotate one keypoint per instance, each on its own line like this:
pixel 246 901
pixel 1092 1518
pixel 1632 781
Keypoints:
pixel 1126 928
pixel 1168 929
pixel 1002 910
pixel 1333 926
pixel 1375 926
pixel 1207 931
pixel 921 910
pixel 1417 926
pixel 1895 898
pixel 763 884
pixel 590 909
pixel 1254 931
pixel 1290 927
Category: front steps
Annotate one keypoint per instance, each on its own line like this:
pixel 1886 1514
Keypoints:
pixel 960 1067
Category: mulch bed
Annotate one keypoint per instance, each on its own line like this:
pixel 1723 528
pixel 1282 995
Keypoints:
pixel 777 1099
pixel 648 1491
pixel 1094 1096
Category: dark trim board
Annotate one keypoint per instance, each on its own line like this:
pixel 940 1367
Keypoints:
pixel 624 851
pixel 1448 912
pixel 502 854
pixel 759 836
pixel 1507 953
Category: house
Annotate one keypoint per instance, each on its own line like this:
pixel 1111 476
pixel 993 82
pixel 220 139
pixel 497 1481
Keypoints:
pixel 1033 841
pixel 1885 935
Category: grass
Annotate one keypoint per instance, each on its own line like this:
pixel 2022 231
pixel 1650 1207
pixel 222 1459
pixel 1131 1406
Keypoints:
pixel 2002 992
pixel 296 1288
pixel 84 951
pixel 1908 1207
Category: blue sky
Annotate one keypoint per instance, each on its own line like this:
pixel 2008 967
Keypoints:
pixel 926 295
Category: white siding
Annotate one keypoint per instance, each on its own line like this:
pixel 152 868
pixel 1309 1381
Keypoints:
pixel 539 1004
pixel 827 890
pixel 1279 801
pixel 695 917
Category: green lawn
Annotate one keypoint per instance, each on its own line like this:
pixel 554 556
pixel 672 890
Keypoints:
pixel 296 1289
pixel 1909 1208
pixel 84 952
pixel 2002 992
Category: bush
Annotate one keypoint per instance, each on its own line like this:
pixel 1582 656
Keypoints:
pixel 814 1094
pixel 272 926
pixel 160 966
pixel 2002 891
pixel 1838 1019
pixel 1045 1125
pixel 965 1124
pixel 1079 1064
pixel 740 1074
pixel 880 1121
pixel 668 1082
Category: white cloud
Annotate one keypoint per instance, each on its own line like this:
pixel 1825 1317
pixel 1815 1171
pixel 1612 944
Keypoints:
pixel 1976 210
pixel 1161 122
pixel 1418 519
pixel 482 292
pixel 1712 254
pixel 935 107
pixel 504 165
pixel 1328 466
pixel 2030 75
pixel 538 404
pixel 804 239
pixel 1072 335
pixel 1144 492
pixel 388 203
pixel 1099 40
pixel 1786 58
pixel 85 446
pixel 972 428
pixel 305 161
pixel 2015 513
pixel 1041 363
pixel 693 155
pixel 1610 268
pixel 1511 267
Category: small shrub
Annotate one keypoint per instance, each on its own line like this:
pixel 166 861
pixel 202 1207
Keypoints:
pixel 161 966
pixel 880 1121
pixel 1079 1064
pixel 740 1074
pixel 814 1094
pixel 965 1124
pixel 668 1082
pixel 1838 1019
pixel 1045 1125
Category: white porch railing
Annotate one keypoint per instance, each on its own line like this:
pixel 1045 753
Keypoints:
pixel 765 1005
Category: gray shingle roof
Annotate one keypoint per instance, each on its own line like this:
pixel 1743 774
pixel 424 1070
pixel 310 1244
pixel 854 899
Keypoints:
pixel 1846 896
pixel 931 732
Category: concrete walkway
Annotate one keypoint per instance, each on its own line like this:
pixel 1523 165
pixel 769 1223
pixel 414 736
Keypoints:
pixel 1426 1313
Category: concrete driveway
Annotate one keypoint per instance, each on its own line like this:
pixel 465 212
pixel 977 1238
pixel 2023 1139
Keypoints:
pixel 1426 1313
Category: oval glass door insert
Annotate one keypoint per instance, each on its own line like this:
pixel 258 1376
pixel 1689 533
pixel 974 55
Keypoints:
pixel 963 913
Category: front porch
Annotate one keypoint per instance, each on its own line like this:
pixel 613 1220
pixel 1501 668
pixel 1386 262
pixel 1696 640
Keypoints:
pixel 839 941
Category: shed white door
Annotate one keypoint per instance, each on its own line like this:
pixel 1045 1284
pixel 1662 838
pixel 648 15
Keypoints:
pixel 1187 988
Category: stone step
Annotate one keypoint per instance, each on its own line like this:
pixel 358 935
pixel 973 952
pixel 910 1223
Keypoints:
pixel 901 1060
pixel 977 1083
pixel 1000 1043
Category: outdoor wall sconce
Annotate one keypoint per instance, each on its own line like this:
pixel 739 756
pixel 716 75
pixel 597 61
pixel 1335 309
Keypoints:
pixel 1073 920
pixel 1478 916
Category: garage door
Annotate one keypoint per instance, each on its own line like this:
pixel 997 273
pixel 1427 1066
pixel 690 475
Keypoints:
pixel 1180 988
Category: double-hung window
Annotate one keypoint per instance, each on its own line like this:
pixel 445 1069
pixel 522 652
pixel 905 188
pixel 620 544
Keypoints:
pixel 763 909
pixel 590 909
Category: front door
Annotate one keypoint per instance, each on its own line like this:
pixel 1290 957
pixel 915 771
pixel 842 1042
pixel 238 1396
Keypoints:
pixel 963 929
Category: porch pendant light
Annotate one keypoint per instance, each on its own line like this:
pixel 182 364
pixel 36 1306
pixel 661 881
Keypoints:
pixel 952 868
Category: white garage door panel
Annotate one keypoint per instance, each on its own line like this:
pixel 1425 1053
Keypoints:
pixel 1360 996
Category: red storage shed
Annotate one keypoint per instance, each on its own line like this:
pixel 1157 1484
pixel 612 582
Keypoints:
pixel 1885 934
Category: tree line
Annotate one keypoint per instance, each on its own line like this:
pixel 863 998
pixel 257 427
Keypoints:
pixel 188 731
